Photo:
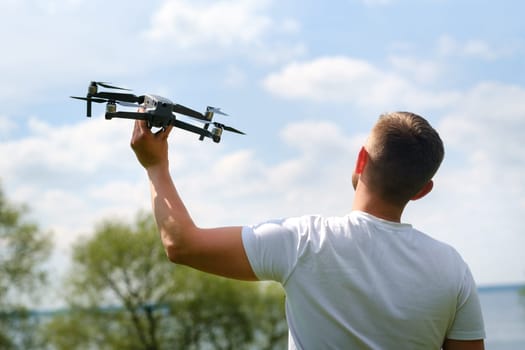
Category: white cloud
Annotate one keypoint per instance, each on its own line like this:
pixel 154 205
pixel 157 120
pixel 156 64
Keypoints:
pixel 6 126
pixel 240 188
pixel 316 138
pixel 204 29
pixel 52 154
pixel 348 80
pixel 56 44
pixel 474 48
pixel 421 71
pixel 222 22
pixel 489 120
pixel 56 170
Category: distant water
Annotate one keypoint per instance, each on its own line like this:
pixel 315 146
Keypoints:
pixel 504 315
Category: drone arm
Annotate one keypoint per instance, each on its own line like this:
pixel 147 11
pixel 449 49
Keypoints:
pixel 117 96
pixel 128 115
pixel 160 123
pixel 190 127
pixel 188 111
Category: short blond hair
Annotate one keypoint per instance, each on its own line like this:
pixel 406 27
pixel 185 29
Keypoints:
pixel 405 152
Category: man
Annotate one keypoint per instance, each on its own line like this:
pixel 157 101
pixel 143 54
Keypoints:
pixel 361 281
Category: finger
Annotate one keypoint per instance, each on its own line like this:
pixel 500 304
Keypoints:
pixel 134 135
pixel 142 126
pixel 140 129
pixel 136 131
pixel 167 131
pixel 164 132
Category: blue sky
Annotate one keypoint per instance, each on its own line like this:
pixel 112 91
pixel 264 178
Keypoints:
pixel 305 80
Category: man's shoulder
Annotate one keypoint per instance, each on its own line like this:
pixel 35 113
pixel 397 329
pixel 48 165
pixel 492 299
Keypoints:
pixel 436 244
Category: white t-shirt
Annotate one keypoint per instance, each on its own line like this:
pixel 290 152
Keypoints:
pixel 359 282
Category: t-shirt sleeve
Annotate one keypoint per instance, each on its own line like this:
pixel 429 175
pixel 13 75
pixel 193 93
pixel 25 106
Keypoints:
pixel 468 322
pixel 272 249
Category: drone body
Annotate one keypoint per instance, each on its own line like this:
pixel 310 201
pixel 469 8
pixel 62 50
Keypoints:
pixel 159 111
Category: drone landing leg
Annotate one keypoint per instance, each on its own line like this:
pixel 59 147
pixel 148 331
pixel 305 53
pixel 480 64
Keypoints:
pixel 205 128
pixel 88 108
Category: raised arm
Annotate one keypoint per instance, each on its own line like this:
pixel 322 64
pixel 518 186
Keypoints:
pixel 218 250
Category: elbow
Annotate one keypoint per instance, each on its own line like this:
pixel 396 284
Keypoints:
pixel 175 246
pixel 172 255
pixel 174 251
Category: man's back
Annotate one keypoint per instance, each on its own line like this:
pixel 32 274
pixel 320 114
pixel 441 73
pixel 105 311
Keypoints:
pixel 362 282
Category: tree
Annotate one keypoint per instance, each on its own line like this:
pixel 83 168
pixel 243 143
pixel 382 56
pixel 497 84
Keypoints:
pixel 124 294
pixel 23 249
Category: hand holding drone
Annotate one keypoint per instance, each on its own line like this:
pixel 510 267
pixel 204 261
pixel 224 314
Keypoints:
pixel 159 111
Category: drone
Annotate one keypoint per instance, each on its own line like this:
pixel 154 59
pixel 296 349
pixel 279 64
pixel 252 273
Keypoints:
pixel 159 112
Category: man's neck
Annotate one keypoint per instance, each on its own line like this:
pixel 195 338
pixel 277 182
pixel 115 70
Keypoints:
pixel 368 202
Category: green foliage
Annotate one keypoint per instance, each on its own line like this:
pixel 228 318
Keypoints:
pixel 125 294
pixel 23 248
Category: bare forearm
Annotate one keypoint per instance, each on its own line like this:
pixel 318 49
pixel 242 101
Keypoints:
pixel 172 217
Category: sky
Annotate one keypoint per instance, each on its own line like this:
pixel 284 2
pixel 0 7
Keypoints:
pixel 305 80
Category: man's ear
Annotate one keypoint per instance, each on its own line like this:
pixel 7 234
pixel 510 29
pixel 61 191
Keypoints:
pixel 424 191
pixel 362 159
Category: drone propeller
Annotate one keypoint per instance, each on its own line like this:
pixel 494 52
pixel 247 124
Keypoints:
pixel 107 85
pixel 91 99
pixel 215 110
pixel 102 100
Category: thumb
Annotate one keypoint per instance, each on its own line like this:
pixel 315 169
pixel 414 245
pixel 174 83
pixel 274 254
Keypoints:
pixel 168 130
pixel 164 132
